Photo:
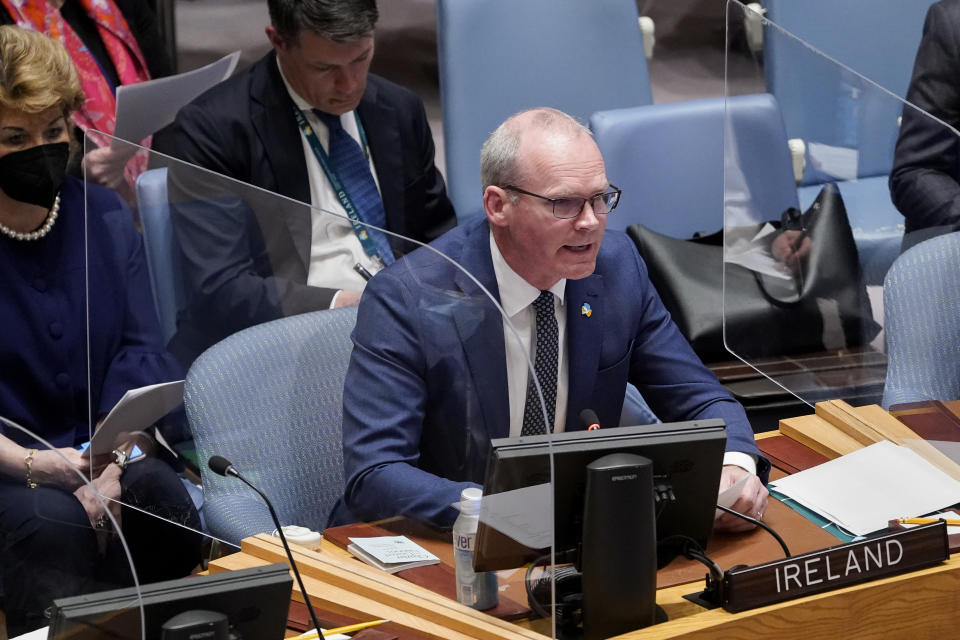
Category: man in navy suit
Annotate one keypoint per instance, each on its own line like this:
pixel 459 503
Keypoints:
pixel 270 127
pixel 925 180
pixel 437 371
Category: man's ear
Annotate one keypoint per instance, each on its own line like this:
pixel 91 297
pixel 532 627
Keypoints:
pixel 279 44
pixel 495 201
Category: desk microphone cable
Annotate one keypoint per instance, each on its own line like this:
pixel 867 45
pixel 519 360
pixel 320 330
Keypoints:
pixel 759 523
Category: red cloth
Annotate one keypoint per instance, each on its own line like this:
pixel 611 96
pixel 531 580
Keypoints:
pixel 98 113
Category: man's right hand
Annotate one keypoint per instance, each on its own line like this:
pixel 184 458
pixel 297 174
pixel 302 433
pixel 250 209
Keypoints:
pixel 347 298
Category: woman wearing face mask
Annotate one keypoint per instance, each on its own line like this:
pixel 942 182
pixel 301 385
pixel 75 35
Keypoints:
pixel 111 43
pixel 76 323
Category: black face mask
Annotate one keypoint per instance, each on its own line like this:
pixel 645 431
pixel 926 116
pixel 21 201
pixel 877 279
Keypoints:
pixel 34 175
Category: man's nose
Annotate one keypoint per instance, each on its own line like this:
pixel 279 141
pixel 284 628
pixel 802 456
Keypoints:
pixel 588 219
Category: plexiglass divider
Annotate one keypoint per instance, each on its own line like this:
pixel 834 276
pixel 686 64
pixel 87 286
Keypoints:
pixel 63 543
pixel 379 413
pixel 803 284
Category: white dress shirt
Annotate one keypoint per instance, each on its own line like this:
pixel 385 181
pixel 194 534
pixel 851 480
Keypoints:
pixel 516 298
pixel 334 246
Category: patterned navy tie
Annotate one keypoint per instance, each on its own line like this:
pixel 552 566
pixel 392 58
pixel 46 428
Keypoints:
pixel 545 366
pixel 353 169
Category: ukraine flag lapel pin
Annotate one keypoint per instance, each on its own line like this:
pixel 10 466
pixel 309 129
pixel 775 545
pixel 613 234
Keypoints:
pixel 585 309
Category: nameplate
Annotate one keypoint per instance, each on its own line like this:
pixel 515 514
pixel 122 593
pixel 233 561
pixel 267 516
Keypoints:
pixel 835 567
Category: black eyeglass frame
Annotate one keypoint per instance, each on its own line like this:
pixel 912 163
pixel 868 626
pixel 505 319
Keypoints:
pixel 553 201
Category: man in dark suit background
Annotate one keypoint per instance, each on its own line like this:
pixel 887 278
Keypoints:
pixel 925 181
pixel 437 371
pixel 270 127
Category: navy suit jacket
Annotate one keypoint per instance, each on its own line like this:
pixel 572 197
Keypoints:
pixel 925 181
pixel 247 262
pixel 426 388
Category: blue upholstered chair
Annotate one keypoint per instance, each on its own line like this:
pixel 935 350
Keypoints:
pixel 669 161
pixel 822 102
pixel 921 308
pixel 269 399
pixel 498 57
pixel 163 256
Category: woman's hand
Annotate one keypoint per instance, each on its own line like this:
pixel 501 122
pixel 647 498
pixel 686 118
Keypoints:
pixel 57 468
pixel 108 485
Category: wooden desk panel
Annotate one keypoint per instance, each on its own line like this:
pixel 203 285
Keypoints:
pixel 922 604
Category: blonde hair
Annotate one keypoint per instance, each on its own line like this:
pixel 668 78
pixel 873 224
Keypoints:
pixel 36 73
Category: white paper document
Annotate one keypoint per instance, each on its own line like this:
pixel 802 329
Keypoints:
pixel 862 491
pixel 391 553
pixel 754 253
pixel 525 515
pixel 136 410
pixel 731 493
pixel 147 107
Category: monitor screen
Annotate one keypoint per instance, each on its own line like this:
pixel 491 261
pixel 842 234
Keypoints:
pixel 256 602
pixel 687 458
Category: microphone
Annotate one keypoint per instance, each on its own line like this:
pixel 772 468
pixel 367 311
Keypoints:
pixel 588 417
pixel 222 467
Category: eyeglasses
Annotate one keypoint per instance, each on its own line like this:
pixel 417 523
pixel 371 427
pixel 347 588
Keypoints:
pixel 564 208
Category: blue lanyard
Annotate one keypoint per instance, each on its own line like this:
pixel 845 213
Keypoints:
pixel 359 228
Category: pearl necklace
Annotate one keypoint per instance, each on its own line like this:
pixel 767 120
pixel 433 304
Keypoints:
pixel 39 233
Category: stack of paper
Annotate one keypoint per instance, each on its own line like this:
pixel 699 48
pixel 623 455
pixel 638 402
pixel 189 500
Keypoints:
pixel 862 491
pixel 391 553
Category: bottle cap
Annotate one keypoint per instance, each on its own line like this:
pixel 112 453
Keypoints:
pixel 470 500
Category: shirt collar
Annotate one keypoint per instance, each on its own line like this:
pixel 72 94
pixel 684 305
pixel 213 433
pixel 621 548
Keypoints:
pixel 298 100
pixel 516 294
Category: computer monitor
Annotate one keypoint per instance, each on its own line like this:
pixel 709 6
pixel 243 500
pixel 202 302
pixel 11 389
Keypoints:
pixel 255 602
pixel 682 461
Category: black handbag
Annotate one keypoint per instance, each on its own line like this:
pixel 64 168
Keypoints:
pixel 822 304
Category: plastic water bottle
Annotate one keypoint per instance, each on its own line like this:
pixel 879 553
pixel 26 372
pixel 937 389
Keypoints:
pixel 477 590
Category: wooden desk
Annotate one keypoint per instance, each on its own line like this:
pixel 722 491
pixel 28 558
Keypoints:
pixel 888 608
pixel 919 604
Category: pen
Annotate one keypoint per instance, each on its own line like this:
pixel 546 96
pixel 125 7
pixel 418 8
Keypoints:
pixel 350 628
pixel 359 268
pixel 952 523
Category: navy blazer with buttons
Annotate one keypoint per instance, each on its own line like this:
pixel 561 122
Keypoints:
pixel 426 389
pixel 248 264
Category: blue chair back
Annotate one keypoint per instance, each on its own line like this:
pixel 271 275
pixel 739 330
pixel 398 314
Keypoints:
pixel 921 308
pixel 498 57
pixel 852 32
pixel 269 399
pixel 163 255
pixel 669 161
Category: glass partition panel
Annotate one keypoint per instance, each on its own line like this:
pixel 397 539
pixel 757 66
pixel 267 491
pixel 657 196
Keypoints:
pixel 61 535
pixel 341 414
pixel 803 284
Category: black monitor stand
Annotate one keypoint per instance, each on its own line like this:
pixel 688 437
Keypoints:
pixel 618 558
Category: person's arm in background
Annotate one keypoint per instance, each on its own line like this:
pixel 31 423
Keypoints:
pixel 105 165
pixel 226 265
pixel 924 181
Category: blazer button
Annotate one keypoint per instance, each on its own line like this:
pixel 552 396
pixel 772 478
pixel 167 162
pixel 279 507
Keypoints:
pixel 56 330
pixel 62 380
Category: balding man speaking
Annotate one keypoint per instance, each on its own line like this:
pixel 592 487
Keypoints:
pixel 437 371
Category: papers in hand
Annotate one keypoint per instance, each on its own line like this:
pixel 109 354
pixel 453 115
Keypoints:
pixel 391 553
pixel 147 107
pixel 136 410
pixel 862 491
